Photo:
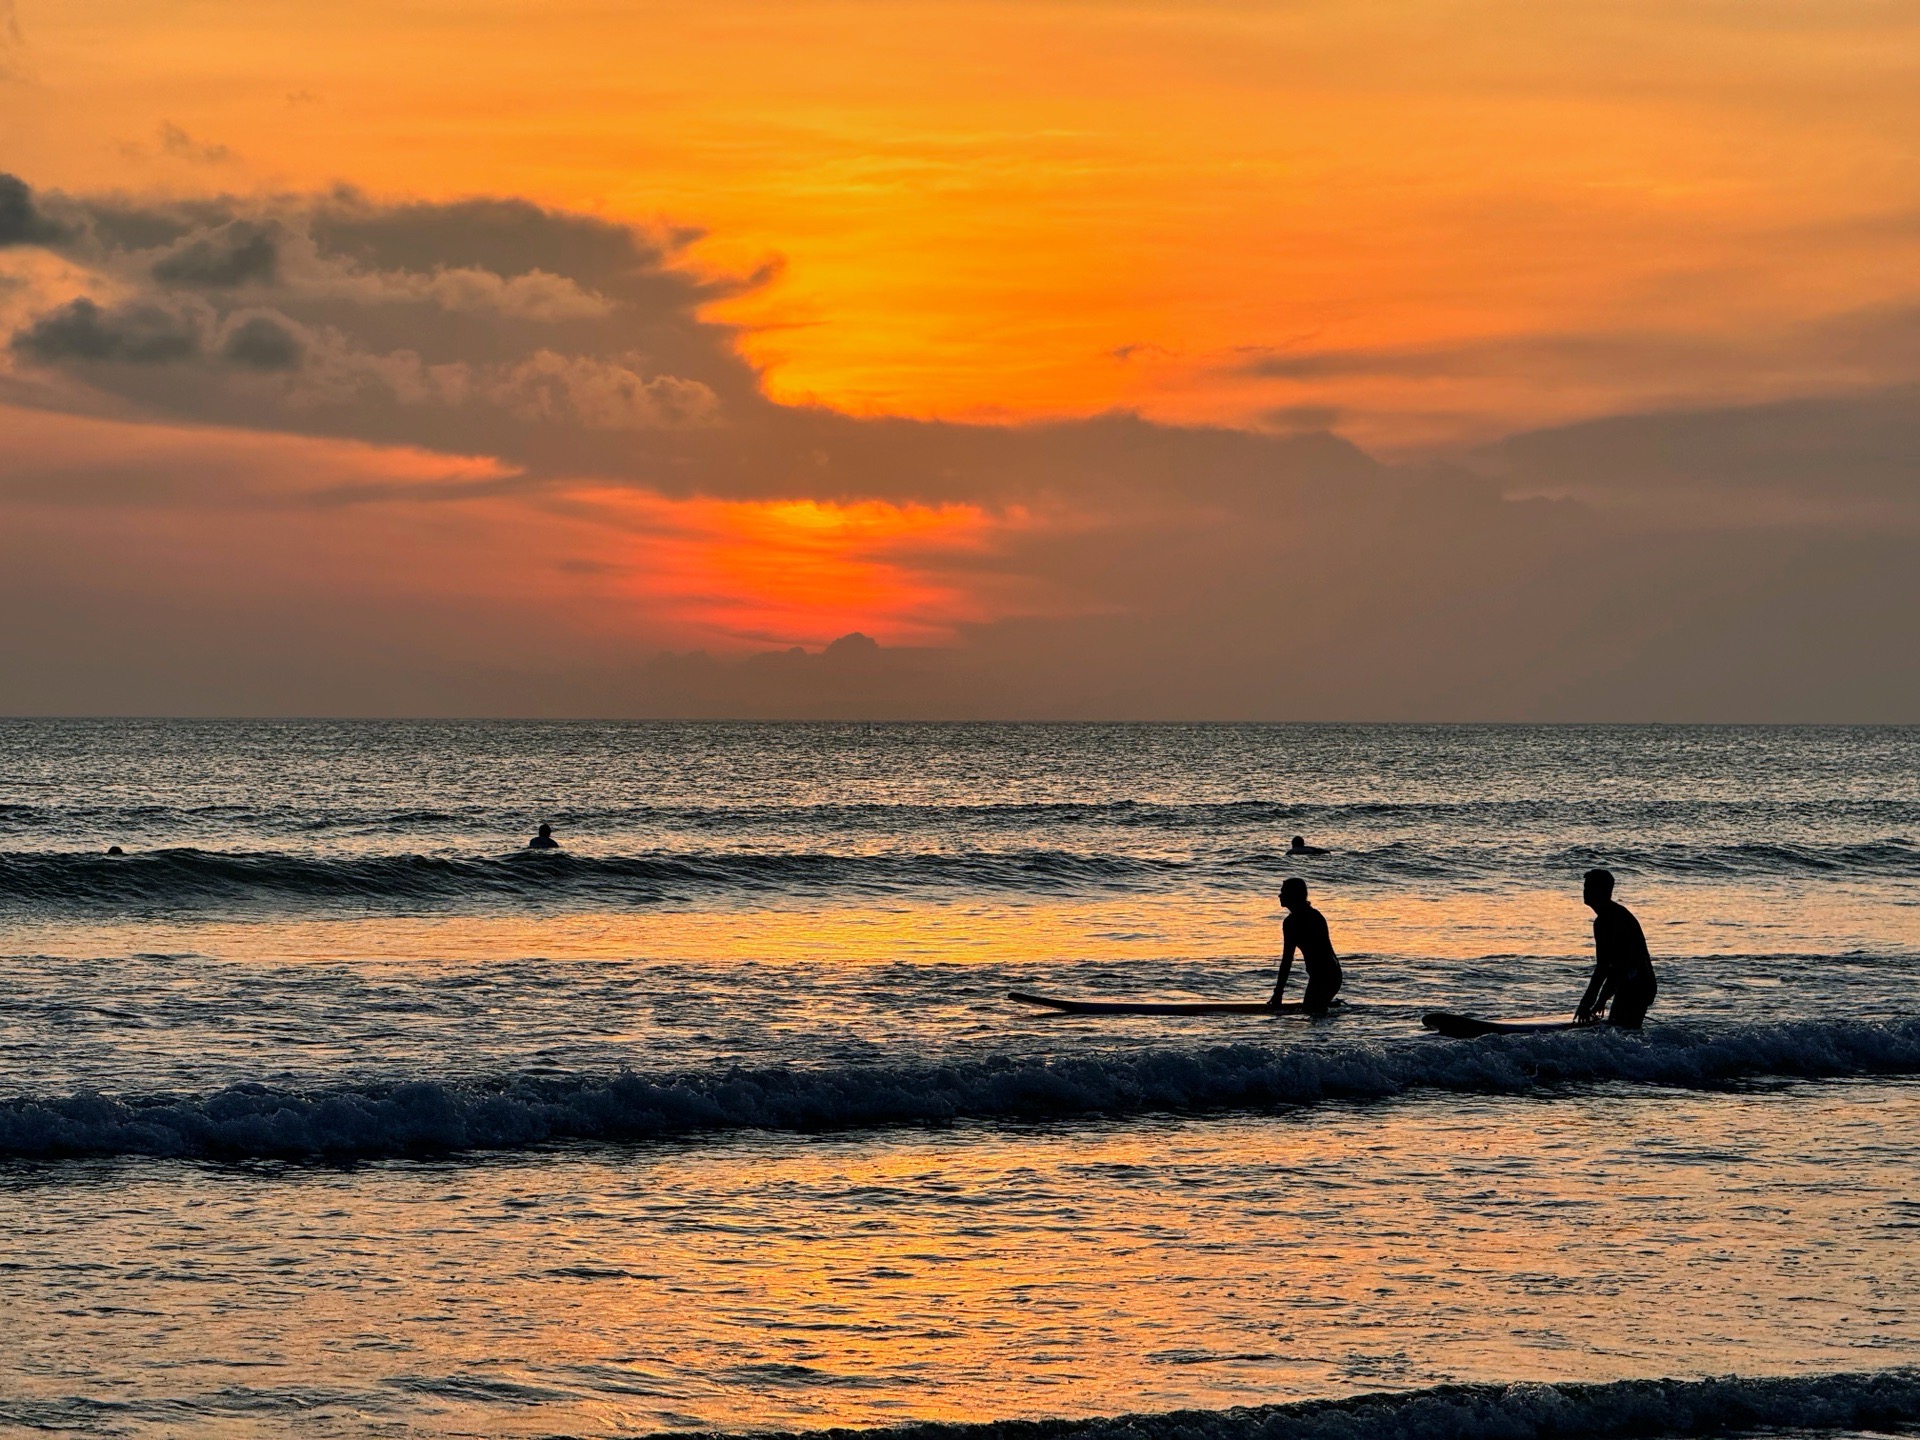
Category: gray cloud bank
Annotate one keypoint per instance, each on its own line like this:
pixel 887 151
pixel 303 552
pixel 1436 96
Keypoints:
pixel 1755 563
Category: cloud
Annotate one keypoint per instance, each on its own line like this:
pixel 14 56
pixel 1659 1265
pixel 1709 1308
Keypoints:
pixel 1871 348
pixel 1302 418
pixel 1835 449
pixel 600 394
pixel 543 337
pixel 234 255
pixel 263 342
pixel 21 223
pixel 81 332
pixel 535 295
pixel 1570 355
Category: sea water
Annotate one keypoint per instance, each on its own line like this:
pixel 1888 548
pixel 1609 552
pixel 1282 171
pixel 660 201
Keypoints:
pixel 328 1108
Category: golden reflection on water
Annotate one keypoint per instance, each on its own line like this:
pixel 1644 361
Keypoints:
pixel 1441 924
pixel 971 1274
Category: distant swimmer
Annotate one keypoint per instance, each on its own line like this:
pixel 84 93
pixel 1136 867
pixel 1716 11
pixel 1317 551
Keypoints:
pixel 1300 847
pixel 1305 930
pixel 544 840
pixel 115 850
pixel 1623 983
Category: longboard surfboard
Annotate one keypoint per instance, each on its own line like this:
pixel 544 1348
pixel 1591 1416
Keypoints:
pixel 1469 1027
pixel 1156 1007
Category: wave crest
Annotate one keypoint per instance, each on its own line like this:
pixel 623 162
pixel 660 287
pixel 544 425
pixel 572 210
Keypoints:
pixel 189 878
pixel 420 1115
pixel 1612 1411
pixel 164 879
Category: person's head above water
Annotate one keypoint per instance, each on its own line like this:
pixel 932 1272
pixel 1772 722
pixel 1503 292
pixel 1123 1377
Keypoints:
pixel 1597 887
pixel 546 831
pixel 1293 892
pixel 1299 842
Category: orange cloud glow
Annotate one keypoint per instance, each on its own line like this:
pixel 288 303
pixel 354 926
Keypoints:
pixel 802 572
pixel 993 209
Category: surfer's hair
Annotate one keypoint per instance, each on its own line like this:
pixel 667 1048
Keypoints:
pixel 1293 885
pixel 1601 880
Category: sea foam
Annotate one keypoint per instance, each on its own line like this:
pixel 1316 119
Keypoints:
pixel 412 1115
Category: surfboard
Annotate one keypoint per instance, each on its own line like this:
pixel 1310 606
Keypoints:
pixel 1157 1007
pixel 1468 1027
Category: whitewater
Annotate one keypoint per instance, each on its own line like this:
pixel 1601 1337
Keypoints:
pixel 328 1108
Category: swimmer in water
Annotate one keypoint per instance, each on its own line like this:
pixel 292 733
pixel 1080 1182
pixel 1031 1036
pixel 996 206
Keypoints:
pixel 1300 847
pixel 544 840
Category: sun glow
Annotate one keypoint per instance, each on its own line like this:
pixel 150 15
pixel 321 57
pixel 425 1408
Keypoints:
pixel 803 572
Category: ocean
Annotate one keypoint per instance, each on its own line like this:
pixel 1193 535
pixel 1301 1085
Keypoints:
pixel 328 1108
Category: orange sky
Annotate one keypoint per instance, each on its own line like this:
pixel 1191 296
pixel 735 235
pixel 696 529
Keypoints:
pixel 1421 226
pixel 1043 208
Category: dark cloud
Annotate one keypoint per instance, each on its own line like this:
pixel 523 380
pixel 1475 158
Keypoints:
pixel 119 229
pixel 262 342
pixel 1572 354
pixel 238 254
pixel 21 223
pixel 1288 364
pixel 1872 347
pixel 506 237
pixel 559 342
pixel 1296 418
pixel 82 332
pixel 1831 447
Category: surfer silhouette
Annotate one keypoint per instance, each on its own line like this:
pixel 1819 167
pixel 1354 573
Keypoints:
pixel 1300 847
pixel 1305 930
pixel 544 840
pixel 1623 983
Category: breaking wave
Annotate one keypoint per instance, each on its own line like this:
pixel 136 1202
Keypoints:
pixel 190 878
pixel 1618 1410
pixel 412 1116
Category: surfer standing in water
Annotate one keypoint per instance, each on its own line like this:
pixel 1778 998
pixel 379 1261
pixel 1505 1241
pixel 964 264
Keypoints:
pixel 1305 930
pixel 1623 983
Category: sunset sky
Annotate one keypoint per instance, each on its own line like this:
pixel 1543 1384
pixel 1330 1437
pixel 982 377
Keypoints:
pixel 1107 359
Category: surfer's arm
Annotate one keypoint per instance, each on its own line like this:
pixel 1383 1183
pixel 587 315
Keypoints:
pixel 1286 969
pixel 1599 988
